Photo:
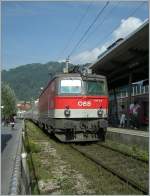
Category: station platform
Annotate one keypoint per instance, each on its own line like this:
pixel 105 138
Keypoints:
pixel 129 137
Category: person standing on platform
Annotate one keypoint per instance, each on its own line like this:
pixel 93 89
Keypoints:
pixel 136 115
pixel 131 114
pixel 122 117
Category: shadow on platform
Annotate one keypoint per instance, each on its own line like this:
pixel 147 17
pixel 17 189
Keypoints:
pixel 4 139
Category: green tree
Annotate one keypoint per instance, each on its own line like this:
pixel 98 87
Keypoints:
pixel 8 101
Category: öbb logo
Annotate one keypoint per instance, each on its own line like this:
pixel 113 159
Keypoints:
pixel 84 103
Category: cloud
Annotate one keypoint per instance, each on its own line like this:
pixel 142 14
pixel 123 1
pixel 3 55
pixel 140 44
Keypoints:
pixel 88 56
pixel 62 60
pixel 126 27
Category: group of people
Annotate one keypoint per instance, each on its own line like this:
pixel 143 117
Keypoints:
pixel 134 112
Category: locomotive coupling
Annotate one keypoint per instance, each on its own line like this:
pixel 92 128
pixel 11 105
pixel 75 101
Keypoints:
pixel 103 123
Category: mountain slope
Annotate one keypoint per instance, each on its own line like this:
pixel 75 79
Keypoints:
pixel 27 80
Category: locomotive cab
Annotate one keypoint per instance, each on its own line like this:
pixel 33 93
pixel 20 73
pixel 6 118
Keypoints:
pixel 74 106
pixel 81 108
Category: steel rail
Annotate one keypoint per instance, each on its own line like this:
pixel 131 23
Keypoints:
pixel 124 153
pixel 116 173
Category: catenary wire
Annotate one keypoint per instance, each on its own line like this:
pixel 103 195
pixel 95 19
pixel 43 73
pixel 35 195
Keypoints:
pixel 90 26
pixel 100 24
pixel 75 30
pixel 110 33
pixel 132 14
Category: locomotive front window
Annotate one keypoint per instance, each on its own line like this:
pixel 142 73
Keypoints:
pixel 70 86
pixel 95 87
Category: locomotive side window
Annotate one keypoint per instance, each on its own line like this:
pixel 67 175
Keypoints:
pixel 70 86
pixel 95 87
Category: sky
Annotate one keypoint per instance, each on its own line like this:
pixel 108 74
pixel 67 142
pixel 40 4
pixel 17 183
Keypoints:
pixel 43 31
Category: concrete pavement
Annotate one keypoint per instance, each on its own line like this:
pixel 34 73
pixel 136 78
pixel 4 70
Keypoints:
pixel 129 137
pixel 9 144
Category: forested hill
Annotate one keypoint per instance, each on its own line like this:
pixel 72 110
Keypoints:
pixel 27 80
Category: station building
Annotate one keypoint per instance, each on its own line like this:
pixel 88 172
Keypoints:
pixel 126 65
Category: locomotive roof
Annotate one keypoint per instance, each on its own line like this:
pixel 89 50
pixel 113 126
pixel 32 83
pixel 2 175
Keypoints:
pixel 76 75
pixel 64 75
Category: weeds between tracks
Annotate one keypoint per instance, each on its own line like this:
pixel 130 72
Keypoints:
pixel 61 170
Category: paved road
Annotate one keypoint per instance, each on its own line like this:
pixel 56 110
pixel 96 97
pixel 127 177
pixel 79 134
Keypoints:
pixel 9 142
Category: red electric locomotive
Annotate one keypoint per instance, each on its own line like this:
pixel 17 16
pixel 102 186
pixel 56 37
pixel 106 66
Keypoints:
pixel 75 107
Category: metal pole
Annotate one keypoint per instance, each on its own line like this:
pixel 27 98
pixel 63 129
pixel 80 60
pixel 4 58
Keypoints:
pixel 116 107
pixel 67 64
pixel 129 98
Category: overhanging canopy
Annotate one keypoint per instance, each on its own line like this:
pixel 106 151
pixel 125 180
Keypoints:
pixel 131 55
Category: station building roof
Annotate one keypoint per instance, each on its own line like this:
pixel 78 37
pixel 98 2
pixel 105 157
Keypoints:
pixel 129 55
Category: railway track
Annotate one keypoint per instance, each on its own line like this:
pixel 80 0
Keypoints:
pixel 124 153
pixel 103 156
pixel 103 163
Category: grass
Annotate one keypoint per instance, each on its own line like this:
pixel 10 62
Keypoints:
pixel 35 148
pixel 61 166
pixel 34 132
pixel 92 173
pixel 131 150
pixel 43 161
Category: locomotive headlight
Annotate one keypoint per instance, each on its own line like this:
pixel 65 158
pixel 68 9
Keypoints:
pixel 100 112
pixel 67 112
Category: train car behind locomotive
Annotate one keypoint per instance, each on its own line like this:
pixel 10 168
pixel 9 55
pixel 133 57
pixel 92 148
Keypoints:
pixel 75 107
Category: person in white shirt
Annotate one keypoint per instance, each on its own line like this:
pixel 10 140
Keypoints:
pixel 122 117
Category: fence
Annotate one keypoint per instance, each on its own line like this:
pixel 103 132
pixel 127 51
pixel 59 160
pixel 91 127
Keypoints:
pixel 136 90
pixel 20 180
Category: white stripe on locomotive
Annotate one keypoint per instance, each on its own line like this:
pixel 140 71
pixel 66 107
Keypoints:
pixel 77 113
